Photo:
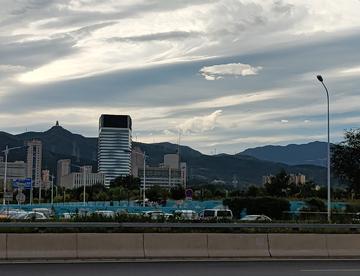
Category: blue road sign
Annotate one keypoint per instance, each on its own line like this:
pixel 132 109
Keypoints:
pixel 25 184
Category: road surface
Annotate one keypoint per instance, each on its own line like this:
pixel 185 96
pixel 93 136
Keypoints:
pixel 246 268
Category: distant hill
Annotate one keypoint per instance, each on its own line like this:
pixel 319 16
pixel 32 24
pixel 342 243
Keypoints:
pixel 59 143
pixel 313 153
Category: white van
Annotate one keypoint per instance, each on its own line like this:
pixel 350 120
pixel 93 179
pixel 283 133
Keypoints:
pixel 216 214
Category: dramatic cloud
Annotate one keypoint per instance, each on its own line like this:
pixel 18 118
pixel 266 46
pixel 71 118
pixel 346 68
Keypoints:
pixel 216 72
pixel 200 124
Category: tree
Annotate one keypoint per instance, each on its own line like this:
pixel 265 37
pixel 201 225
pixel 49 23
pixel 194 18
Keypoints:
pixel 308 190
pixel 177 193
pixel 275 208
pixel 128 182
pixel 346 160
pixel 156 194
pixel 278 185
pixel 254 191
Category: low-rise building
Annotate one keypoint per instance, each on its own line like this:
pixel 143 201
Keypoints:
pixel 297 179
pixel 15 170
pixel 160 176
pixel 76 179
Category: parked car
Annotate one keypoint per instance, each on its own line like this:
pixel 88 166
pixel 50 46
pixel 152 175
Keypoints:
pixel 156 215
pixel 105 213
pixel 84 213
pixel 256 218
pixel 46 211
pixel 216 214
pixel 32 216
pixel 186 215
pixel 68 215
pixel 356 218
pixel 11 213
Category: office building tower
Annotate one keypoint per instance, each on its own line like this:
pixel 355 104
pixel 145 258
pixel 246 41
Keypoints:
pixel 63 168
pixel 114 146
pixel 34 159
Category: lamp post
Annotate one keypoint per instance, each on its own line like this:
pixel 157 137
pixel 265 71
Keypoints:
pixel 6 152
pixel 52 189
pixel 320 78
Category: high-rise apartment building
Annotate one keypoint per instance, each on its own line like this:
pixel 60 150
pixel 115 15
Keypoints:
pixel 137 161
pixel 63 168
pixel 114 146
pixel 33 162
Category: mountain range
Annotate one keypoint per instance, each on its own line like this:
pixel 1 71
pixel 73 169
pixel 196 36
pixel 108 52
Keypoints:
pixel 313 153
pixel 246 168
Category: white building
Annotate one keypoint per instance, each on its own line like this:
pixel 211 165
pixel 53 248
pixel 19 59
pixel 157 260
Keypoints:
pixel 171 173
pixel 297 179
pixel 163 177
pixel 76 179
pixel 114 146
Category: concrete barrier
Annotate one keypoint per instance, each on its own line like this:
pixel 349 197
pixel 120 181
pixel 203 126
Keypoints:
pixel 110 245
pixel 185 245
pixel 2 246
pixel 41 246
pixel 343 245
pixel 238 245
pixel 181 245
pixel 298 245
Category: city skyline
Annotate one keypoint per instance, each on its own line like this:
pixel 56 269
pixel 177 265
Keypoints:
pixel 226 83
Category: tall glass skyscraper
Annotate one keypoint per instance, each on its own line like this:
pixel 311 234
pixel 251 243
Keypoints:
pixel 114 146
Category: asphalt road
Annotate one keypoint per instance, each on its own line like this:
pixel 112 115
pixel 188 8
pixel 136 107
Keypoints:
pixel 246 268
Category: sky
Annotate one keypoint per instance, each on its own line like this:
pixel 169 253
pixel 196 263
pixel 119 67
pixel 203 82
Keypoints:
pixel 226 75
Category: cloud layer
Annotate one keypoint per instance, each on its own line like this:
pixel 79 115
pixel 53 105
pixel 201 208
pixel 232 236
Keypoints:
pixel 72 60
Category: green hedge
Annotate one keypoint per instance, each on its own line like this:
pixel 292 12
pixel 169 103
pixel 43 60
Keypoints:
pixel 273 207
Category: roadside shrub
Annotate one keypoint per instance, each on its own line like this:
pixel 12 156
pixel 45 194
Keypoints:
pixel 273 207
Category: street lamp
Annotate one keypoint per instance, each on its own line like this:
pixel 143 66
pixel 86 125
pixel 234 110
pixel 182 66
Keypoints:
pixel 320 78
pixel 6 152
pixel 52 189
pixel 84 183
